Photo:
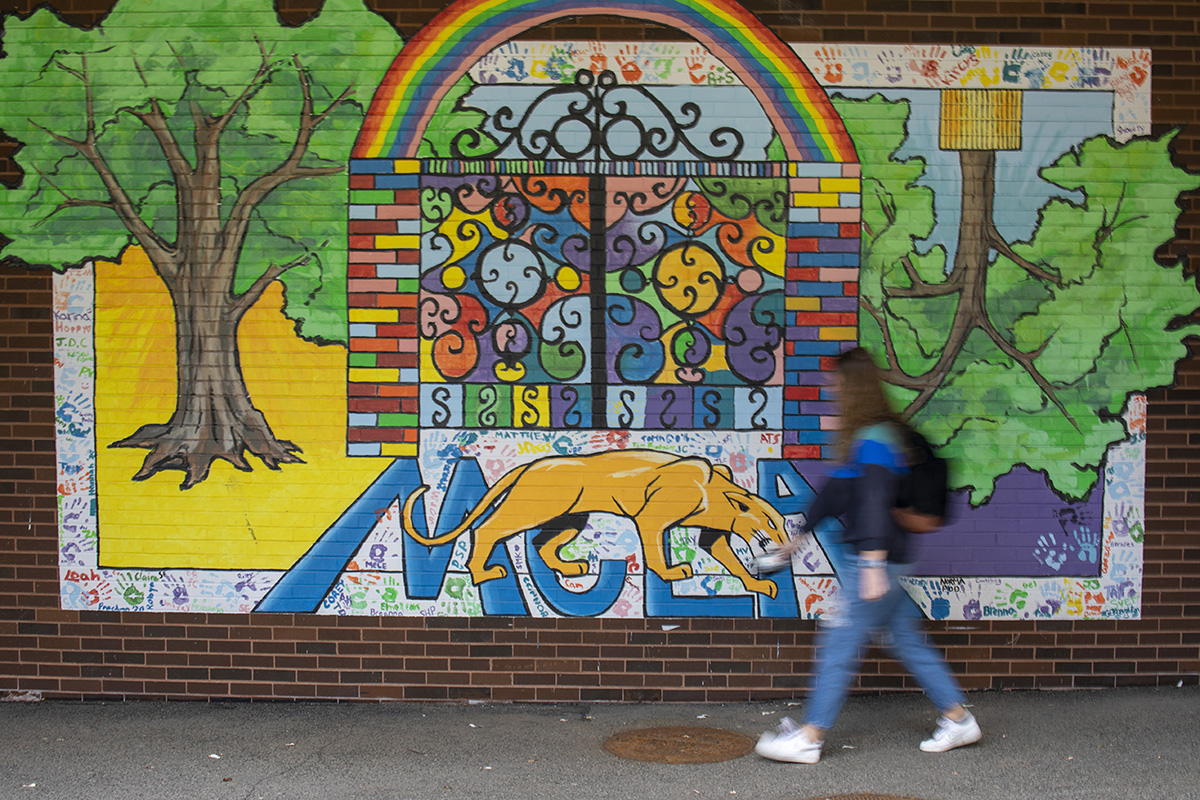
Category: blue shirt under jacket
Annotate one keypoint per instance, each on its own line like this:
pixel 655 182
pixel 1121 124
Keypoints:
pixel 862 491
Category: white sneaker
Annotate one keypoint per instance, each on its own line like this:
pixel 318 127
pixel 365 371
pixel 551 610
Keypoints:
pixel 951 734
pixel 788 743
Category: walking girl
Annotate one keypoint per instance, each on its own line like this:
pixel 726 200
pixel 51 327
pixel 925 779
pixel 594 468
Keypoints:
pixel 873 555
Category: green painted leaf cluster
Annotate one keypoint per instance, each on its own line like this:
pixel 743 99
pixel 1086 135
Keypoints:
pixel 455 119
pixel 897 213
pixel 188 57
pixel 1100 333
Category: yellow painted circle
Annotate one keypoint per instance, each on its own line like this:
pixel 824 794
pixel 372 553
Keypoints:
pixel 568 279
pixel 454 277
pixel 689 279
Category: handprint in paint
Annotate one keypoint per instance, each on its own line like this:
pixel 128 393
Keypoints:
pixel 1089 544
pixel 1011 597
pixel 178 590
pixel 695 62
pixel 1126 524
pixel 559 65
pixel 516 69
pixel 832 69
pixel 939 604
pixel 972 609
pixel 1050 608
pixel 627 60
pixel 133 591
pixel 70 554
pixel 1050 552
pixel 1120 479
pixel 598 58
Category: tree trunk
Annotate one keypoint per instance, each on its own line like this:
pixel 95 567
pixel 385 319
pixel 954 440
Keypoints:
pixel 214 416
pixel 974 229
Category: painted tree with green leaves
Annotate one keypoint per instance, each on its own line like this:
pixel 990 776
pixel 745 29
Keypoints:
pixel 1023 352
pixel 215 138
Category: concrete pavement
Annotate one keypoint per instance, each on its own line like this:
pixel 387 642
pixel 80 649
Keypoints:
pixel 1099 745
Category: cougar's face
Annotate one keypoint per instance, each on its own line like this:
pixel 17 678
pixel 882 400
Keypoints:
pixel 756 521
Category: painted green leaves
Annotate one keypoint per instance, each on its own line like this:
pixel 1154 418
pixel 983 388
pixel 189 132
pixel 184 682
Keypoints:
pixel 115 124
pixel 1022 353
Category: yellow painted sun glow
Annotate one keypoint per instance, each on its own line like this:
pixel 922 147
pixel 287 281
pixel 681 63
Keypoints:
pixel 263 519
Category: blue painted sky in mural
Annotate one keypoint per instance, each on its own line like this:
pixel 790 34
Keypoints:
pixel 1053 123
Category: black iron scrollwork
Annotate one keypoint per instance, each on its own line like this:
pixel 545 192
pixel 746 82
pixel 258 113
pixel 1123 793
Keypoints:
pixel 601 119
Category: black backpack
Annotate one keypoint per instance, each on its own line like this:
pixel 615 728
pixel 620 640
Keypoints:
pixel 923 495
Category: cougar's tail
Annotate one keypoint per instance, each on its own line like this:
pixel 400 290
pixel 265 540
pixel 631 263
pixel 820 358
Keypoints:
pixel 480 510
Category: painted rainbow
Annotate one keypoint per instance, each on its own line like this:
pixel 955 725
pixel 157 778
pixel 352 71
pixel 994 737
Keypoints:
pixel 467 30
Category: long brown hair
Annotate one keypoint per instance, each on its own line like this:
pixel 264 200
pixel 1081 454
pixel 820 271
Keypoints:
pixel 862 400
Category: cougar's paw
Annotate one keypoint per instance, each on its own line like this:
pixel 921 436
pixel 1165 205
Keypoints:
pixel 764 587
pixel 573 568
pixel 491 573
pixel 677 573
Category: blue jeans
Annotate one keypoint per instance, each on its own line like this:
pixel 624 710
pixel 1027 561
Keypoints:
pixel 840 648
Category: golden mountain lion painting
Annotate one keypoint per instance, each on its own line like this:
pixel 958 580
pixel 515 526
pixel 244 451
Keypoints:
pixel 657 491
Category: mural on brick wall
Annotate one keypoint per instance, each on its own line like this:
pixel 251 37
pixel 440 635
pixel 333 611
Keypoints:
pixel 471 325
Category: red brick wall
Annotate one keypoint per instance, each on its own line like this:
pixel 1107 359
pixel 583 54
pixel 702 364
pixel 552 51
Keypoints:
pixel 138 655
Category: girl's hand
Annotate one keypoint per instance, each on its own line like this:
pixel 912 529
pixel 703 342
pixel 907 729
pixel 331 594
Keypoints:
pixel 791 546
pixel 872 583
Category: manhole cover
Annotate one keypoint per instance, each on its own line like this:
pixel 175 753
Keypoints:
pixel 679 744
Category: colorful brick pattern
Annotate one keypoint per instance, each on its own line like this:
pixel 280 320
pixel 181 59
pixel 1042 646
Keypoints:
pixel 381 291
pixel 822 297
